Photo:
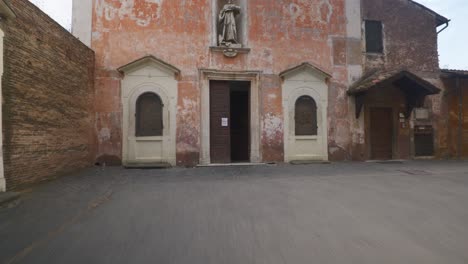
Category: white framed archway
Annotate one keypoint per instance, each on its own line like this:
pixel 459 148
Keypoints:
pixel 305 80
pixel 149 75
pixel 147 150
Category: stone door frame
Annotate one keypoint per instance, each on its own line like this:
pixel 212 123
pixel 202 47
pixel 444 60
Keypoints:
pixel 207 75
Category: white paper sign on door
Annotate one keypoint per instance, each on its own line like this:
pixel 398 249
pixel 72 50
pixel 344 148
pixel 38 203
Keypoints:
pixel 224 122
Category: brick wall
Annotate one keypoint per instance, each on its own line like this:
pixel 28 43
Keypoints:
pixel 410 36
pixel 48 99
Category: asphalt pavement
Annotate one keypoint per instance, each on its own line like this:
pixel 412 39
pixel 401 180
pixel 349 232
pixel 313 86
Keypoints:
pixel 413 212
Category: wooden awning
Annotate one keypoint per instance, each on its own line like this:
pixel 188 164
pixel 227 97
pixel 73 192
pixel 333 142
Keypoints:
pixel 414 87
pixel 447 73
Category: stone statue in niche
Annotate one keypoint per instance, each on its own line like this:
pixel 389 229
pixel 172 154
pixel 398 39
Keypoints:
pixel 227 26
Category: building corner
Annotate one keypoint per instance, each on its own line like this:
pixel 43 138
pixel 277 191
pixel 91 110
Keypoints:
pixel 82 17
pixel 2 169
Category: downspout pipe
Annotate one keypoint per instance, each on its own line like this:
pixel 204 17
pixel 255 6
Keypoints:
pixel 460 117
pixel 445 27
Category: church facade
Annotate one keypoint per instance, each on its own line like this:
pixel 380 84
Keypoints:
pixel 200 82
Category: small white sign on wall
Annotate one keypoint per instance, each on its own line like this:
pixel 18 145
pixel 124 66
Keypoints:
pixel 421 113
pixel 224 122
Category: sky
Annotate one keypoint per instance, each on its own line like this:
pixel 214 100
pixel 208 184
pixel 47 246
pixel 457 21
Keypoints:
pixel 453 41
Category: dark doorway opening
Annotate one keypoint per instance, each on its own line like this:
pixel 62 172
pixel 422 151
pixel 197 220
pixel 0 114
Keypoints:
pixel 240 123
pixel 229 121
pixel 381 133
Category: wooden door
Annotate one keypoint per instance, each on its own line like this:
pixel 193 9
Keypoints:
pixel 381 133
pixel 220 123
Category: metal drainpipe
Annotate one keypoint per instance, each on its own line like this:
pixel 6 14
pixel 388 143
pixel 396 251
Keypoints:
pixel 446 26
pixel 460 117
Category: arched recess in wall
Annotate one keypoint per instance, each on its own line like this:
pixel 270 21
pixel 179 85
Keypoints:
pixel 149 100
pixel 149 121
pixel 305 104
pixel 305 116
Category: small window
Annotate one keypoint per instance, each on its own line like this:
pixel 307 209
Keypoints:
pixel 306 116
pixel 149 115
pixel 374 36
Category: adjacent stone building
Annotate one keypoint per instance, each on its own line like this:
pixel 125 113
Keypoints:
pixel 400 93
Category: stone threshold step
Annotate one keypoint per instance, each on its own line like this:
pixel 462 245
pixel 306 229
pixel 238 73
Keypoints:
pixel 386 161
pixel 157 165
pixel 232 165
pixel 309 162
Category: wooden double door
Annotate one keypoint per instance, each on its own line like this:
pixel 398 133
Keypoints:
pixel 229 121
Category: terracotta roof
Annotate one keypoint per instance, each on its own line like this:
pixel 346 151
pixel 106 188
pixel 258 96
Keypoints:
pixel 455 72
pixel 439 18
pixel 381 78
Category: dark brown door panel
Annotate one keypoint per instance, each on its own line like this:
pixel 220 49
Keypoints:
pixel 381 133
pixel 220 136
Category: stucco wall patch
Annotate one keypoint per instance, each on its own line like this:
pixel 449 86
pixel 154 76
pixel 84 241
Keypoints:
pixel 104 135
pixel 272 127
pixel 143 12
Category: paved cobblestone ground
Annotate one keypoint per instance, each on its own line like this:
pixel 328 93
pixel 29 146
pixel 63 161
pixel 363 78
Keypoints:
pixel 415 212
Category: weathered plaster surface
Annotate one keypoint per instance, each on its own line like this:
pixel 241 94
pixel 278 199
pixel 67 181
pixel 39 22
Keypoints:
pixel 280 34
